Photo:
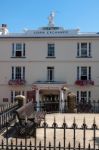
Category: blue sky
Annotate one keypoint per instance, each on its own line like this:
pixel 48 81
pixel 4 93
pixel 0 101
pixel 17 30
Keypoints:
pixel 31 14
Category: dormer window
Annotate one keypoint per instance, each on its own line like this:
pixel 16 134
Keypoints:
pixel 18 50
pixel 51 51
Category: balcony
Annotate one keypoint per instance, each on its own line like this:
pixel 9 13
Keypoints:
pixel 16 82
pixel 84 82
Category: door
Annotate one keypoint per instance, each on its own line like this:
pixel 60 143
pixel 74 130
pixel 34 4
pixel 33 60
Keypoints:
pixel 31 95
pixel 51 103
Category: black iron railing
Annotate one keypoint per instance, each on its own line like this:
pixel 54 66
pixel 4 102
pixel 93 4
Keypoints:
pixel 63 137
pixel 62 106
pixel 7 114
pixel 57 140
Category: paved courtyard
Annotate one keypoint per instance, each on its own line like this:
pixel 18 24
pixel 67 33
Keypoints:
pixel 69 132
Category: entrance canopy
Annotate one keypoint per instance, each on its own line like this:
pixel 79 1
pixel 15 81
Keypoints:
pixel 54 85
pixel 51 93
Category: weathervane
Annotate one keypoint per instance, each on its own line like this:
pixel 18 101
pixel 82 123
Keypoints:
pixel 51 19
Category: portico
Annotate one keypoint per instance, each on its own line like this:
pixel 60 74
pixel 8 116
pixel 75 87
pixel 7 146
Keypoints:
pixel 50 92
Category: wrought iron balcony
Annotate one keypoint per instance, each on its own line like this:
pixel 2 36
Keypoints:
pixel 84 82
pixel 16 82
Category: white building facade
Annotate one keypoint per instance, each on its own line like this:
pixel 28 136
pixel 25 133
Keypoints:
pixel 41 63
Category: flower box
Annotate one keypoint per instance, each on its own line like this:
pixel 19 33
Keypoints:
pixel 84 82
pixel 17 82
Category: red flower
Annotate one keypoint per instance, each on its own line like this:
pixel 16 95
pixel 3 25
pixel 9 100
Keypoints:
pixel 16 82
pixel 84 82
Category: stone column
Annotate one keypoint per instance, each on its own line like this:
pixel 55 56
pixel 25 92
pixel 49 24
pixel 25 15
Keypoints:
pixel 37 99
pixel 61 100
pixel 65 101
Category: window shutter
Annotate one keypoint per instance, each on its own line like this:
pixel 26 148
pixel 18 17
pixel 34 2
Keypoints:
pixel 89 95
pixel 12 49
pixel 12 73
pixel 77 73
pixel 24 73
pixel 89 73
pixel 77 49
pixel 89 49
pixel 24 49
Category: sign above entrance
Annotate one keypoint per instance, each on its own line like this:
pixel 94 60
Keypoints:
pixel 49 87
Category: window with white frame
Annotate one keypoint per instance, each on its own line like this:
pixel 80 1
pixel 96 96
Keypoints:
pixel 50 73
pixel 83 96
pixel 15 93
pixel 51 50
pixel 83 73
pixel 18 72
pixel 18 50
pixel 84 49
pixel 77 97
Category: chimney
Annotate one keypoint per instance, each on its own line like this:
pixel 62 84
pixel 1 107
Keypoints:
pixel 4 29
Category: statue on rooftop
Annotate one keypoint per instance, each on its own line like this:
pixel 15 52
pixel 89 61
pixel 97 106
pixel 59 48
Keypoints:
pixel 51 19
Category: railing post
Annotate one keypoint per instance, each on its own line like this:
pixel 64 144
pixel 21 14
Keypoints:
pixel 54 126
pixel 79 146
pixel 49 146
pixel 11 144
pixel 84 127
pixel 74 126
pixel 21 145
pixel 64 126
pixel 59 146
pixel 40 146
pixel 7 124
pixel 2 146
pixel 94 127
pixel 89 148
pixel 16 136
pixel 69 146
pixel 25 134
pixel 30 146
pixel 35 126
pixel 45 125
